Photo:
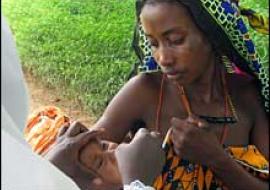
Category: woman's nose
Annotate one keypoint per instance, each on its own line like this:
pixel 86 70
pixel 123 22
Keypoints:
pixel 164 57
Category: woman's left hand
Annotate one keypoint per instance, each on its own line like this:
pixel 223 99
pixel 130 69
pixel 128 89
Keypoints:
pixel 193 141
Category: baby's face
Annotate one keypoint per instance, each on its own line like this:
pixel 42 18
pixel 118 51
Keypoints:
pixel 99 156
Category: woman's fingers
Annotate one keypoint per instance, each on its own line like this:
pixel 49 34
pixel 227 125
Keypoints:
pixel 192 120
pixel 197 121
pixel 75 129
pixel 83 138
pixel 63 129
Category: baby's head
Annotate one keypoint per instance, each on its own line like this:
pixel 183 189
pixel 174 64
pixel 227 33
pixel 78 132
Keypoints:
pixel 98 156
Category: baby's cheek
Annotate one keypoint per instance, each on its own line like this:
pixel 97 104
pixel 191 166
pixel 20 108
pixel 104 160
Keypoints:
pixel 85 157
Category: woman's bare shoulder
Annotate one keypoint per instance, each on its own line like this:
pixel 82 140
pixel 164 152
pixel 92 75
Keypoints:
pixel 246 90
pixel 138 92
pixel 146 79
pixel 243 83
pixel 144 83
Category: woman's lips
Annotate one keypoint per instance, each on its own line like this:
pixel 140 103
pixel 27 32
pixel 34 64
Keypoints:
pixel 174 75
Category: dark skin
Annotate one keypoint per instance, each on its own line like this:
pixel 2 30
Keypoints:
pixel 98 165
pixel 187 58
pixel 64 154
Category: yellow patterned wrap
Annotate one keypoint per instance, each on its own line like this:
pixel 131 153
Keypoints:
pixel 179 174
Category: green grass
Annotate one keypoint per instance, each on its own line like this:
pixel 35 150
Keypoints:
pixel 83 47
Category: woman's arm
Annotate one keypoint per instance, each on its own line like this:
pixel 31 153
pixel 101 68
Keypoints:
pixel 128 106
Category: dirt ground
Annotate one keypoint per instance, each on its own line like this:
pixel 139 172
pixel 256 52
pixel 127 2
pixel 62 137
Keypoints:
pixel 40 96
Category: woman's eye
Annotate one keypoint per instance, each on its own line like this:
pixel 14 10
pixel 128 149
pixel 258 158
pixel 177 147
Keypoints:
pixel 178 41
pixel 153 45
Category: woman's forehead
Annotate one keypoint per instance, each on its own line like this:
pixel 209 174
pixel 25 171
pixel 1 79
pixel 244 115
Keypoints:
pixel 164 16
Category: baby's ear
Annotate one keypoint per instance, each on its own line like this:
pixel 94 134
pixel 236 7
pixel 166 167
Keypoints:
pixel 97 181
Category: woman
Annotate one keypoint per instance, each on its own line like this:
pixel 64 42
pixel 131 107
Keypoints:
pixel 192 46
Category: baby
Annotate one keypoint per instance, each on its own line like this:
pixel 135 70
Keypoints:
pixel 98 156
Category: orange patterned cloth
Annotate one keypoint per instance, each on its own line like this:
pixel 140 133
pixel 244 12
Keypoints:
pixel 179 174
pixel 42 128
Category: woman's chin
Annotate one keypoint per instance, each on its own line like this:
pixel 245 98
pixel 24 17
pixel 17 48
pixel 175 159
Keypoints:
pixel 177 79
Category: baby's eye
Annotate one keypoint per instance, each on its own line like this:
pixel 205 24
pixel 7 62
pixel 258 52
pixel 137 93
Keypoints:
pixel 100 163
pixel 104 146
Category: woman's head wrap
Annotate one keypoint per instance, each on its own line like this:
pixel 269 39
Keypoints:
pixel 222 23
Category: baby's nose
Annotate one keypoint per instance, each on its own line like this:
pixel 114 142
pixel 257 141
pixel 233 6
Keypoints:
pixel 112 146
